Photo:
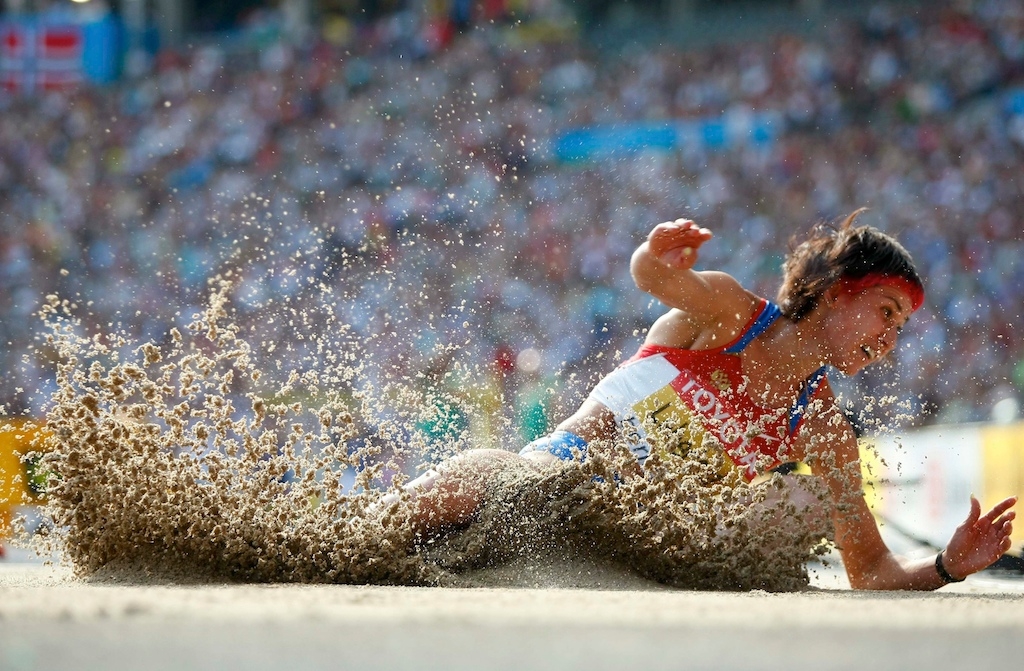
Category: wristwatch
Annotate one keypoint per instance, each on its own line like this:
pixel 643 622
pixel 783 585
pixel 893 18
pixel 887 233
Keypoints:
pixel 943 573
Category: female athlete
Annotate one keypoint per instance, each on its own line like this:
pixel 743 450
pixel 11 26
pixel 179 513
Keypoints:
pixel 734 372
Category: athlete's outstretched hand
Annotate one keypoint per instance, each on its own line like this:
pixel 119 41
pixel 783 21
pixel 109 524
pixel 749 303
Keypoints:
pixel 675 243
pixel 981 539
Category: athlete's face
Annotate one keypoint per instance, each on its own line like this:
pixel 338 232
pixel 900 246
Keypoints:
pixel 865 325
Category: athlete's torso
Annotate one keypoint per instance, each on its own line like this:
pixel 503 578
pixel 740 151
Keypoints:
pixel 682 400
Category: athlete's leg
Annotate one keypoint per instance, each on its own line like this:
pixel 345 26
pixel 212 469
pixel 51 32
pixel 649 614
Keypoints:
pixel 449 495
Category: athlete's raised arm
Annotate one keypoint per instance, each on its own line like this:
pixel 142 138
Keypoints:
pixel 708 307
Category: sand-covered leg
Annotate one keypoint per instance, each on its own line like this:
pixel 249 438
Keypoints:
pixel 450 495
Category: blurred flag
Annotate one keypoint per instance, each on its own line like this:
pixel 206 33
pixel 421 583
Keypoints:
pixel 39 56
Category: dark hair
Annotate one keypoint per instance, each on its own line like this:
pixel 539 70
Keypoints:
pixel 831 253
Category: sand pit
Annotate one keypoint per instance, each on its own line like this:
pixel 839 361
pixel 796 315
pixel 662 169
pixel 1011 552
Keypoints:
pixel 51 621
pixel 204 457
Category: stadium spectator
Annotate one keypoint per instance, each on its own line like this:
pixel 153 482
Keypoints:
pixel 126 199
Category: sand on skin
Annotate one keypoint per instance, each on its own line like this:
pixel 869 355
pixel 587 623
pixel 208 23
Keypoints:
pixel 51 621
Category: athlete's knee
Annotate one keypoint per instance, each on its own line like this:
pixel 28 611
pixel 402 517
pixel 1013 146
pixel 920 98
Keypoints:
pixel 451 494
pixel 479 462
pixel 472 463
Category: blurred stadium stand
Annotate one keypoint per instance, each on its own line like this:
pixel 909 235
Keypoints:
pixel 596 120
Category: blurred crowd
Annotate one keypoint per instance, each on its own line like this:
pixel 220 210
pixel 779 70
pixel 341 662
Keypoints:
pixel 406 176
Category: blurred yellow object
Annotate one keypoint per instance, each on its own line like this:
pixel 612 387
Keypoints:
pixel 872 472
pixel 18 437
pixel 1002 472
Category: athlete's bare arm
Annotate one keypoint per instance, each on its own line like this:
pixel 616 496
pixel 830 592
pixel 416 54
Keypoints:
pixel 708 308
pixel 869 563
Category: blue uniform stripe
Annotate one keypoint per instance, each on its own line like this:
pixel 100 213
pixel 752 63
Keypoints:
pixel 768 315
pixel 799 409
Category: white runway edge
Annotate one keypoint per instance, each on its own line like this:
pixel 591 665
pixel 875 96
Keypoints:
pixel 48 620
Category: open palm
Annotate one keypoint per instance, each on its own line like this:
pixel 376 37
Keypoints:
pixel 981 539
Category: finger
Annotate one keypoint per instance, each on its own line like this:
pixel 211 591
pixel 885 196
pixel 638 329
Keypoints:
pixel 1000 521
pixel 1005 517
pixel 679 226
pixel 666 239
pixel 1000 508
pixel 676 227
pixel 695 238
pixel 668 229
pixel 1005 504
pixel 974 514
pixel 673 226
pixel 663 228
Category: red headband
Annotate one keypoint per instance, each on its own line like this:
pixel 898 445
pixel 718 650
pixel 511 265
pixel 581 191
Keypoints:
pixel 912 289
